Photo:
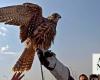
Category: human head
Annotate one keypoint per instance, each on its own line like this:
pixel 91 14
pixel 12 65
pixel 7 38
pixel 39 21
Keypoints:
pixel 93 77
pixel 83 77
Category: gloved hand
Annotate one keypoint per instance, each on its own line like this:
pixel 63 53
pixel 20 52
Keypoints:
pixel 44 56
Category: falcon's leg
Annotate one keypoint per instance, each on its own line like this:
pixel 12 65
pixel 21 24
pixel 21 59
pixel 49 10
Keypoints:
pixel 43 51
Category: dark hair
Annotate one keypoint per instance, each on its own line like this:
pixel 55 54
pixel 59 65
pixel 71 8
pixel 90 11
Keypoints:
pixel 84 76
pixel 70 78
pixel 93 76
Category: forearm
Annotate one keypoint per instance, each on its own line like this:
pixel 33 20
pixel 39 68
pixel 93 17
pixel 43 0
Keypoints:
pixel 60 71
pixel 49 60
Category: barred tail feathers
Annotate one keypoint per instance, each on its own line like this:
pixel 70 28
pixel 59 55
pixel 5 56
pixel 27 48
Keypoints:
pixel 25 61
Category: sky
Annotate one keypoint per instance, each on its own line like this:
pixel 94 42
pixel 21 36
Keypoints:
pixel 76 40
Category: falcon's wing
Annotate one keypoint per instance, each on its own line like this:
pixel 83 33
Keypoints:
pixel 20 15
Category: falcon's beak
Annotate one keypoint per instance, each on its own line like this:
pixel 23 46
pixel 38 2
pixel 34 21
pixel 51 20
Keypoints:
pixel 59 16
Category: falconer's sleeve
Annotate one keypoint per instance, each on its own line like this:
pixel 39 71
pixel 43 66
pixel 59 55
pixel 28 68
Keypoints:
pixel 57 69
pixel 60 71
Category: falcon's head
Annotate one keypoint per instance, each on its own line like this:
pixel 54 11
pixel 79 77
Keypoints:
pixel 54 17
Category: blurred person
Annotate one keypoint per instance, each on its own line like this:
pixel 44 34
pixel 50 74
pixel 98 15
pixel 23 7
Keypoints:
pixel 83 77
pixel 93 77
pixel 57 69
pixel 99 76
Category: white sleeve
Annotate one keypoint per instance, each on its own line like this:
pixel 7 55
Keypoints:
pixel 60 72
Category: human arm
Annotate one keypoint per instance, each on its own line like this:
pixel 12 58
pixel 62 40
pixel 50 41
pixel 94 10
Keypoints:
pixel 57 69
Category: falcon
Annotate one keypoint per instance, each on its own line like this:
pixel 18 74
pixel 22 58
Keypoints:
pixel 36 31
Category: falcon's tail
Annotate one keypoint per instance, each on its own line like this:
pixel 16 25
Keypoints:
pixel 25 61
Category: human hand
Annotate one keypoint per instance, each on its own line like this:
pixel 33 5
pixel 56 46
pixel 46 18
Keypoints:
pixel 43 57
pixel 17 76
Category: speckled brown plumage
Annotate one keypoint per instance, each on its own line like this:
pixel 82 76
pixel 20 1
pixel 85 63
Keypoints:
pixel 35 30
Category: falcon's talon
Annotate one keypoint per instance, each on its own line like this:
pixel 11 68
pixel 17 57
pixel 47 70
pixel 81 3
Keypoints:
pixel 49 53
